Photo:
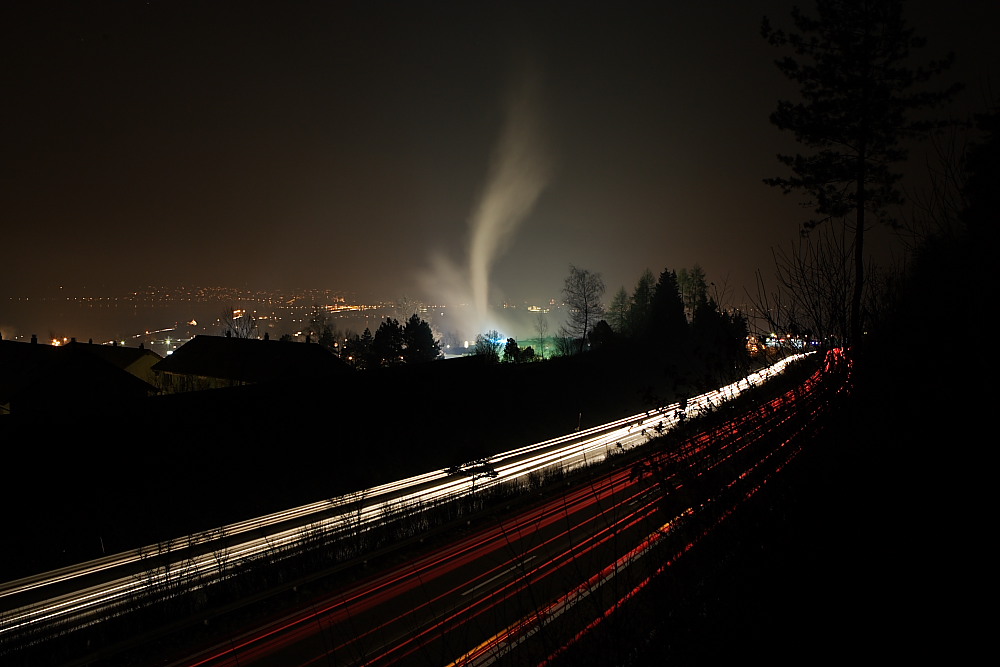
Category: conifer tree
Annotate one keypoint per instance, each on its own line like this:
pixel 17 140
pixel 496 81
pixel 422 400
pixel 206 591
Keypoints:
pixel 857 109
pixel 419 344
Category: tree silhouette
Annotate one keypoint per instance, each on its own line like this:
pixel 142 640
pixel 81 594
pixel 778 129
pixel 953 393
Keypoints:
pixel 858 97
pixel 387 345
pixel 719 340
pixel 542 329
pixel 418 341
pixel 238 323
pixel 511 352
pixel 358 350
pixel 321 329
pixel 668 327
pixel 983 166
pixel 693 289
pixel 602 334
pixel 618 312
pixel 488 346
pixel 582 291
pixel 641 303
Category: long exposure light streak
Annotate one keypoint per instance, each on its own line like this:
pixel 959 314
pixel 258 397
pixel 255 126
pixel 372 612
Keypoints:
pixel 200 558
pixel 744 442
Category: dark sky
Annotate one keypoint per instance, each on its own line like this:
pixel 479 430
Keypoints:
pixel 351 145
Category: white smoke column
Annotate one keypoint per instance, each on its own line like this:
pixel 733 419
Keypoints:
pixel 518 174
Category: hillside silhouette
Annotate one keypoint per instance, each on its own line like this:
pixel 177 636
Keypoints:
pixel 131 474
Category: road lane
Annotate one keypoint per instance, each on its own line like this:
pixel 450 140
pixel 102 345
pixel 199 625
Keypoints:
pixel 502 589
pixel 83 593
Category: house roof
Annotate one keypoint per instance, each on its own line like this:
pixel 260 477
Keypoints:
pixel 48 377
pixel 250 360
pixel 117 355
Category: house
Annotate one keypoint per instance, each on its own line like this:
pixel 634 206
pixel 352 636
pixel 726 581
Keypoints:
pixel 211 362
pixel 47 379
pixel 136 360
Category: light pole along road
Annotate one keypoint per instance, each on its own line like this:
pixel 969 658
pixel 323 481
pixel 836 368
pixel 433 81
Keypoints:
pixel 87 592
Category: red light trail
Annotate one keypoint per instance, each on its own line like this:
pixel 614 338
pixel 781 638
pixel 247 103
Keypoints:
pixel 540 581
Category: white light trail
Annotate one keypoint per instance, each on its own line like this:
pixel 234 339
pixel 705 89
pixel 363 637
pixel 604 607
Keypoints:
pixel 201 557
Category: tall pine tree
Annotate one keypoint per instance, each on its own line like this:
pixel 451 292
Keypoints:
pixel 668 327
pixel 858 98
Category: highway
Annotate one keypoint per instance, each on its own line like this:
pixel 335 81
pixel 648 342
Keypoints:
pixel 529 586
pixel 86 592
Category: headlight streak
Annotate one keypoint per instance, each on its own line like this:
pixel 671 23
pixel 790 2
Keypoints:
pixel 201 557
pixel 496 646
pixel 435 566
pixel 733 437
pixel 492 539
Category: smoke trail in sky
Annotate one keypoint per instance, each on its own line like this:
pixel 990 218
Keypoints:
pixel 519 171
pixel 518 174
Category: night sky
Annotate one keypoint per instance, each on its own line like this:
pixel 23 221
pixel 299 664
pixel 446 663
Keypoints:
pixel 356 146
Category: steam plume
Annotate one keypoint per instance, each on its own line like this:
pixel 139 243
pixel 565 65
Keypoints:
pixel 519 171
pixel 518 174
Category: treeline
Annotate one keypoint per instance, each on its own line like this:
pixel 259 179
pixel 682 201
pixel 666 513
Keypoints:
pixel 673 317
pixel 669 319
pixel 391 344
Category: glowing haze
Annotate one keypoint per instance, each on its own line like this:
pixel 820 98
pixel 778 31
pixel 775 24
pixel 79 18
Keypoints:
pixel 338 145
pixel 519 172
